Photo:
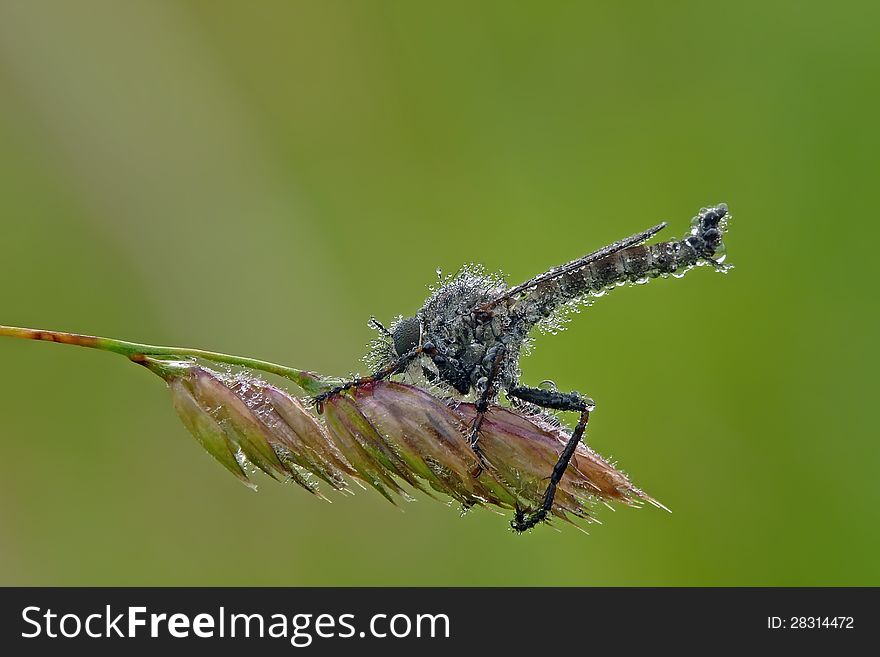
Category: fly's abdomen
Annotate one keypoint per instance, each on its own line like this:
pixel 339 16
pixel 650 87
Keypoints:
pixel 634 264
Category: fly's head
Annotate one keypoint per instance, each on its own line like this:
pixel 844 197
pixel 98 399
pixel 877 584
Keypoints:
pixel 392 343
pixel 405 335
pixel 397 344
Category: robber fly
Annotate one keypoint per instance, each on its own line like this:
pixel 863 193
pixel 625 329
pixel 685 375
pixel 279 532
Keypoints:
pixel 469 335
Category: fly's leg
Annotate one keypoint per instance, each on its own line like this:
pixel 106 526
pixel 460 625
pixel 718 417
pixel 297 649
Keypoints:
pixel 560 401
pixel 495 358
pixel 396 366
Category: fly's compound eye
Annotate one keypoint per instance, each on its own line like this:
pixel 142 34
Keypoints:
pixel 406 334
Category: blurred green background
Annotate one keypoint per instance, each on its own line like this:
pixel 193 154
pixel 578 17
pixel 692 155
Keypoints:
pixel 260 178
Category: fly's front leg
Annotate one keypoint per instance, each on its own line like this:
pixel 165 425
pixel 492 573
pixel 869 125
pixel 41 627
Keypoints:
pixel 560 401
pixel 493 359
pixel 396 366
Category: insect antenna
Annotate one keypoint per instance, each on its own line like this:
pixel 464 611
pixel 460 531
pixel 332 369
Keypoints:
pixel 379 326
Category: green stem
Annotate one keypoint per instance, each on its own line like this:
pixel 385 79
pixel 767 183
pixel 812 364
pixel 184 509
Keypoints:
pixel 310 382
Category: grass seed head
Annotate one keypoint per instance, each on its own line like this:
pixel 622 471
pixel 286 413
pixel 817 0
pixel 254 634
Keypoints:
pixel 388 435
pixel 240 419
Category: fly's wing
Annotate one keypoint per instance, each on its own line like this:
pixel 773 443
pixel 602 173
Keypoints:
pixel 632 240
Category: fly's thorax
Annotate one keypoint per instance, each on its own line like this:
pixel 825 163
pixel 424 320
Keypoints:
pixel 460 337
pixel 469 347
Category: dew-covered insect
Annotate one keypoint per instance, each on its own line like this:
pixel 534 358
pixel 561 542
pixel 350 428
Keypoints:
pixel 467 338
pixel 458 422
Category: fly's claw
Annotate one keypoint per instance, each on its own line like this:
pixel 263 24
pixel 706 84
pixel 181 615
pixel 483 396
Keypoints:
pixel 524 520
pixel 319 399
